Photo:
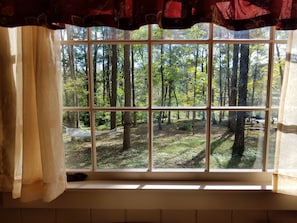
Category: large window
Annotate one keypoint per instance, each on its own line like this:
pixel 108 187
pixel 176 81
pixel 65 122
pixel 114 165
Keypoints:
pixel 203 99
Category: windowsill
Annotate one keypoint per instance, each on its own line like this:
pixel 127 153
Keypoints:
pixel 163 195
pixel 166 185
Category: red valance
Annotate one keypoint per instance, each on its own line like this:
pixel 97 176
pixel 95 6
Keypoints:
pixel 131 14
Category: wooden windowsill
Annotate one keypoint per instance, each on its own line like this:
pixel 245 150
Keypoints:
pixel 163 195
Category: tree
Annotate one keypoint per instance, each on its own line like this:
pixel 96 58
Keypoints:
pixel 161 113
pixel 133 86
pixel 114 71
pixel 238 145
pixel 233 91
pixel 127 87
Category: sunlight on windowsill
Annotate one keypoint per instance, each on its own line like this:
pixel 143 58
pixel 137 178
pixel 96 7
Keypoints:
pixel 122 185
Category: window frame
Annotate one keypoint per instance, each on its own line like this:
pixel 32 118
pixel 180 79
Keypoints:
pixel 220 175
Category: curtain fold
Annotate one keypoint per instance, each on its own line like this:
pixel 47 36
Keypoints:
pixel 37 164
pixel 7 115
pixel 285 175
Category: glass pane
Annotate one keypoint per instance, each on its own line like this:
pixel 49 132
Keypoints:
pixel 278 72
pixel 74 33
pixel 108 33
pixel 281 34
pixel 240 74
pixel 75 76
pixel 121 145
pixel 196 32
pixel 120 67
pixel 179 139
pixel 223 33
pixel 77 140
pixel 180 75
pixel 237 140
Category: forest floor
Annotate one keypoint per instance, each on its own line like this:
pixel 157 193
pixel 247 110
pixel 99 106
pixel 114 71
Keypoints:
pixel 177 145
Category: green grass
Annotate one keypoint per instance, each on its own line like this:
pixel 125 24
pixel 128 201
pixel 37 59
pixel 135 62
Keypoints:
pixel 173 148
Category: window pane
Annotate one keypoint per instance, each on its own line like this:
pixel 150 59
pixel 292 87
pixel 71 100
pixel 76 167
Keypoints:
pixel 238 133
pixel 75 76
pixel 108 33
pixel 240 74
pixel 223 33
pixel 180 75
pixel 112 65
pixel 113 138
pixel 196 32
pixel 278 72
pixel 77 140
pixel 281 34
pixel 179 139
pixel 74 33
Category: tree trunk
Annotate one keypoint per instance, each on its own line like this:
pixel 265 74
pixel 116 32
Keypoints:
pixel 74 115
pixel 162 87
pixel 170 91
pixel 127 87
pixel 233 95
pixel 133 87
pixel 220 100
pixel 238 146
pixel 281 72
pixel 114 71
pixel 195 91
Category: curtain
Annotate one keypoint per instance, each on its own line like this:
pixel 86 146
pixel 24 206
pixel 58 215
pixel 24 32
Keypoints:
pixel 285 176
pixel 131 14
pixel 31 143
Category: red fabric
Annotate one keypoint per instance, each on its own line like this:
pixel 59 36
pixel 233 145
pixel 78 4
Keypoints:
pixel 131 14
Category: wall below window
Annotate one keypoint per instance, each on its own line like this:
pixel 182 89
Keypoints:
pixel 30 215
pixel 157 206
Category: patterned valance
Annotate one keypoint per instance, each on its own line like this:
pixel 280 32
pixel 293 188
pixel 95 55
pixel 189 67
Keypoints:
pixel 131 14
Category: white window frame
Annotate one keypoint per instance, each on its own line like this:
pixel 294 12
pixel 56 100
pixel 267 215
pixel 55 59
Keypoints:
pixel 207 174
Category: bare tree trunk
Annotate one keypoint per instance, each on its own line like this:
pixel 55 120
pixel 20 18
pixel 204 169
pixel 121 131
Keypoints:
pixel 127 86
pixel 203 87
pixel 170 91
pixel 233 95
pixel 281 72
pixel 133 87
pixel 114 71
pixel 195 83
pixel 221 85
pixel 75 115
pixel 238 146
pixel 162 87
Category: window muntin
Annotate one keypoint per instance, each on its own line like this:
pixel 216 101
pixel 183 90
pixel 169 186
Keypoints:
pixel 198 122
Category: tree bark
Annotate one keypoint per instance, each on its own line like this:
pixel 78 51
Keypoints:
pixel 238 146
pixel 114 72
pixel 127 87
pixel 233 95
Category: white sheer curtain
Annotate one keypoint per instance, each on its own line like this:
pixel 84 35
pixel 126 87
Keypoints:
pixel 285 175
pixel 31 143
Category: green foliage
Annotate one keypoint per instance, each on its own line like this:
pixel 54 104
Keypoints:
pixel 180 79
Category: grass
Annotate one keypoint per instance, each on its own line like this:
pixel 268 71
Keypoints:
pixel 174 147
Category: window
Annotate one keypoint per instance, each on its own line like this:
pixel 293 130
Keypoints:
pixel 199 100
